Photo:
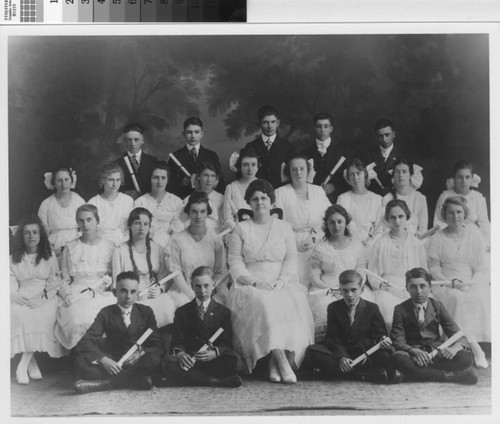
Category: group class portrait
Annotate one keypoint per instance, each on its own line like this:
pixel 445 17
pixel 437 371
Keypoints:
pixel 206 209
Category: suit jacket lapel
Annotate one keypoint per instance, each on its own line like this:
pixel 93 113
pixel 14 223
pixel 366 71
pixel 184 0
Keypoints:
pixel 410 310
pixel 118 318
pixel 430 313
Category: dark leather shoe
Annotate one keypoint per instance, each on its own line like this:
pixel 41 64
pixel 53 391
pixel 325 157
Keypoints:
pixel 395 377
pixel 231 381
pixel 144 383
pixel 467 376
pixel 85 386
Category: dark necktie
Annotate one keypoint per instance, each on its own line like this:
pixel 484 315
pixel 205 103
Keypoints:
pixel 352 312
pixel 194 156
pixel 201 311
pixel 134 162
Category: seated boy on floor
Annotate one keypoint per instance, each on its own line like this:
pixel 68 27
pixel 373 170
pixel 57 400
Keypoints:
pixel 194 324
pixel 415 334
pixel 97 357
pixel 354 325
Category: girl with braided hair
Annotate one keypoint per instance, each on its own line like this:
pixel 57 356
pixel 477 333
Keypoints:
pixel 146 258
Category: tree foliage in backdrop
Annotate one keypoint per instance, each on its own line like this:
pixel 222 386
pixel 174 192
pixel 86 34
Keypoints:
pixel 69 97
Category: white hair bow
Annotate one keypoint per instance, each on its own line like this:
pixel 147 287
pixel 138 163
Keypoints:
pixel 48 180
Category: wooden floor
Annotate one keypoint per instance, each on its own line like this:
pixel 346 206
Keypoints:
pixel 55 396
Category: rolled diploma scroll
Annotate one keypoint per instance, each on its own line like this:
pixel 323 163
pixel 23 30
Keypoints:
pixel 446 283
pixel 131 172
pixel 447 343
pixel 335 169
pixel 163 280
pixel 363 356
pixel 180 165
pixel 430 232
pixel 371 167
pixel 378 277
pixel 221 279
pixel 211 340
pixel 226 231
pixel 138 343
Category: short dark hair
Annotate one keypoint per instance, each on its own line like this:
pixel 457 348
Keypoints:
pixel 260 185
pixel 207 165
pixel 198 197
pixel 457 201
pixel 193 120
pixel 161 164
pixel 322 116
pixel 286 169
pixel 406 162
pixel 417 273
pixel 340 210
pixel 133 126
pixel 395 203
pixel 382 123
pixel 202 270
pixel 126 275
pixel 462 164
pixel 266 110
pixel 350 276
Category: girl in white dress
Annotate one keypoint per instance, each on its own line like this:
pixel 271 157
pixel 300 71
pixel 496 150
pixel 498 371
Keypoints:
pixel 197 245
pixel 34 280
pixel 207 178
pixel 246 166
pixel 164 207
pixel 416 201
pixel 364 206
pixel 86 269
pixel 114 207
pixel 458 254
pixel 57 212
pixel 146 258
pixel 269 308
pixel 303 207
pixel 392 255
pixel 334 254
pixel 461 184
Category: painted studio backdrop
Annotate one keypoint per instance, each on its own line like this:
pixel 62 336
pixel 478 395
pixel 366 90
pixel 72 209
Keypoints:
pixel 69 98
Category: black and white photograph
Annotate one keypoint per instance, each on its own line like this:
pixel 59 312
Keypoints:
pixel 271 220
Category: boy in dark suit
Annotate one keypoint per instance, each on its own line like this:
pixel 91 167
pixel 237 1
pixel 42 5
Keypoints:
pixel 385 155
pixel 142 163
pixel 354 325
pixel 124 323
pixel 194 324
pixel 191 156
pixel 272 150
pixel 325 153
pixel 415 333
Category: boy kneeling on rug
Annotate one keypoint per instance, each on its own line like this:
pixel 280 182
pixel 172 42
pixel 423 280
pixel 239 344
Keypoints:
pixel 197 361
pixel 354 325
pixel 97 361
pixel 415 333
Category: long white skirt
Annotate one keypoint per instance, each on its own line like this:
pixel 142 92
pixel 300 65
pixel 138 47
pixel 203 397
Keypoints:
pixel 264 320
